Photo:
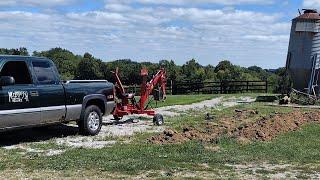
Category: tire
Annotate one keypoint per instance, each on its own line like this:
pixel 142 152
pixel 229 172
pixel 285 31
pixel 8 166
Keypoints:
pixel 158 120
pixel 91 121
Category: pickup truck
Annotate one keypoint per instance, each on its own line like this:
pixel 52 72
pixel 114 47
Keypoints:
pixel 32 94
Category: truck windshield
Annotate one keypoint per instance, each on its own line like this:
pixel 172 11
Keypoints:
pixel 44 72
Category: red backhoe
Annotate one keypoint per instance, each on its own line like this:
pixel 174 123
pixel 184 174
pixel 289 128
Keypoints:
pixel 128 104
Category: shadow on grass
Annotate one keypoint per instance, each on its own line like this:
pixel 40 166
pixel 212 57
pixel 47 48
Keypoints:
pixel 15 137
pixel 115 122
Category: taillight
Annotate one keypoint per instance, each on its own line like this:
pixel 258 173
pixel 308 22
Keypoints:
pixel 110 97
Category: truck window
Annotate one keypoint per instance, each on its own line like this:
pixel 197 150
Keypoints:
pixel 44 72
pixel 18 70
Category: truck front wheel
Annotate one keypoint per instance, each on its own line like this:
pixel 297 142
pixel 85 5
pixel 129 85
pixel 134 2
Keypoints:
pixel 91 121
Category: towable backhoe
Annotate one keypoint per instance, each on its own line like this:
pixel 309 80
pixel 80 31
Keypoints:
pixel 128 104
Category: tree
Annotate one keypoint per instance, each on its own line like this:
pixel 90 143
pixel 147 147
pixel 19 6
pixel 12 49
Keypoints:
pixel 65 61
pixel 73 66
pixel 282 82
pixel 129 71
pixel 173 71
pixel 193 71
pixel 22 51
pixel 209 73
pixel 225 70
pixel 89 68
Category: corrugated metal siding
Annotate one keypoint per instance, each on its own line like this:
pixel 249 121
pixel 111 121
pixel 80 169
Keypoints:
pixel 316 43
pixel 302 45
pixel 307 26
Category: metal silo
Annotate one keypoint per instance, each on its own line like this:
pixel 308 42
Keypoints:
pixel 304 48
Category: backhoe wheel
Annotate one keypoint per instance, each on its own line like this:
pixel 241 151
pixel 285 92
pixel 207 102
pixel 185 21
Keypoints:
pixel 91 121
pixel 158 120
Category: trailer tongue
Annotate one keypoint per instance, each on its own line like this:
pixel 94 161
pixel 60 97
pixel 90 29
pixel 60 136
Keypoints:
pixel 128 104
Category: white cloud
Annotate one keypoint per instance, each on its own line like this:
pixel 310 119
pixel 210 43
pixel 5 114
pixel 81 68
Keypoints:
pixel 153 33
pixel 34 3
pixel 311 4
pixel 118 7
pixel 222 17
pixel 183 2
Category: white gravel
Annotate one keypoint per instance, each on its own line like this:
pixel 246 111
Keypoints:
pixel 84 142
pixel 177 110
pixel 28 149
pixel 271 171
pixel 128 126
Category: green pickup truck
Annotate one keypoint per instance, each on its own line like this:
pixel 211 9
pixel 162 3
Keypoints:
pixel 32 94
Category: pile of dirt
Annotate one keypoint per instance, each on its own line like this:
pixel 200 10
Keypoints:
pixel 171 136
pixel 237 127
pixel 210 131
pixel 270 127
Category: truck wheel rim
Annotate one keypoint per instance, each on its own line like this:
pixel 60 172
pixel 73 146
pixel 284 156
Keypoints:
pixel 93 121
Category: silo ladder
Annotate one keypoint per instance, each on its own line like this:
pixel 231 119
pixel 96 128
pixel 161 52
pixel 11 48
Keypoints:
pixel 314 78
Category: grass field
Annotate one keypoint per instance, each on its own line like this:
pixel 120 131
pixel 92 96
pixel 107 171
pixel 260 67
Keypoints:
pixel 189 99
pixel 295 152
pixel 182 100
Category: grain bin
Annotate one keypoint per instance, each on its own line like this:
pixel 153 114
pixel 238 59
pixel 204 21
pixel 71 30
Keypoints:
pixel 304 45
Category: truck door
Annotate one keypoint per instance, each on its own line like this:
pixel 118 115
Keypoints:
pixel 51 91
pixel 19 105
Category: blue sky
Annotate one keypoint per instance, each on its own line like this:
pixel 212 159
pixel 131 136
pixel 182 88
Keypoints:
pixel 246 32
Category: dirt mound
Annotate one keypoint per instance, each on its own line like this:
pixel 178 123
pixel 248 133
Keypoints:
pixel 265 129
pixel 207 133
pixel 171 136
pixel 268 128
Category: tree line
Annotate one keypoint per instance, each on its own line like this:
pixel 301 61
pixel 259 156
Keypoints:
pixel 87 67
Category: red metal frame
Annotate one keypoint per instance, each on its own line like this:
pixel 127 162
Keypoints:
pixel 128 104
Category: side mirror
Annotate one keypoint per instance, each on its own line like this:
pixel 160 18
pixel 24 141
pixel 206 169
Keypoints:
pixel 7 81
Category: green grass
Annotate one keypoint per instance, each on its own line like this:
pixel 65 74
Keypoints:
pixel 194 98
pixel 182 100
pixel 299 148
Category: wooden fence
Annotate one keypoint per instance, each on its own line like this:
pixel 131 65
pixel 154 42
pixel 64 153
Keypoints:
pixel 223 87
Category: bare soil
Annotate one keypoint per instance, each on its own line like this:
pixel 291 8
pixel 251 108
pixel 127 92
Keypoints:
pixel 270 127
pixel 240 127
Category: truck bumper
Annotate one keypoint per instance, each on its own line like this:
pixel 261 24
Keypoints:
pixel 110 105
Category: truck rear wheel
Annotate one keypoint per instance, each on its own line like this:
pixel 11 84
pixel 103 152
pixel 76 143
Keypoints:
pixel 91 121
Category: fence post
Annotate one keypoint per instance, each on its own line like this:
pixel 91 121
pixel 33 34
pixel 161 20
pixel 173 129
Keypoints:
pixel 247 86
pixel 171 87
pixel 221 88
pixel 266 86
pixel 175 89
pixel 135 88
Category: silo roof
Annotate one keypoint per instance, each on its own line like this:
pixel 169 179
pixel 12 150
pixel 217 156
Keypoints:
pixel 309 14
